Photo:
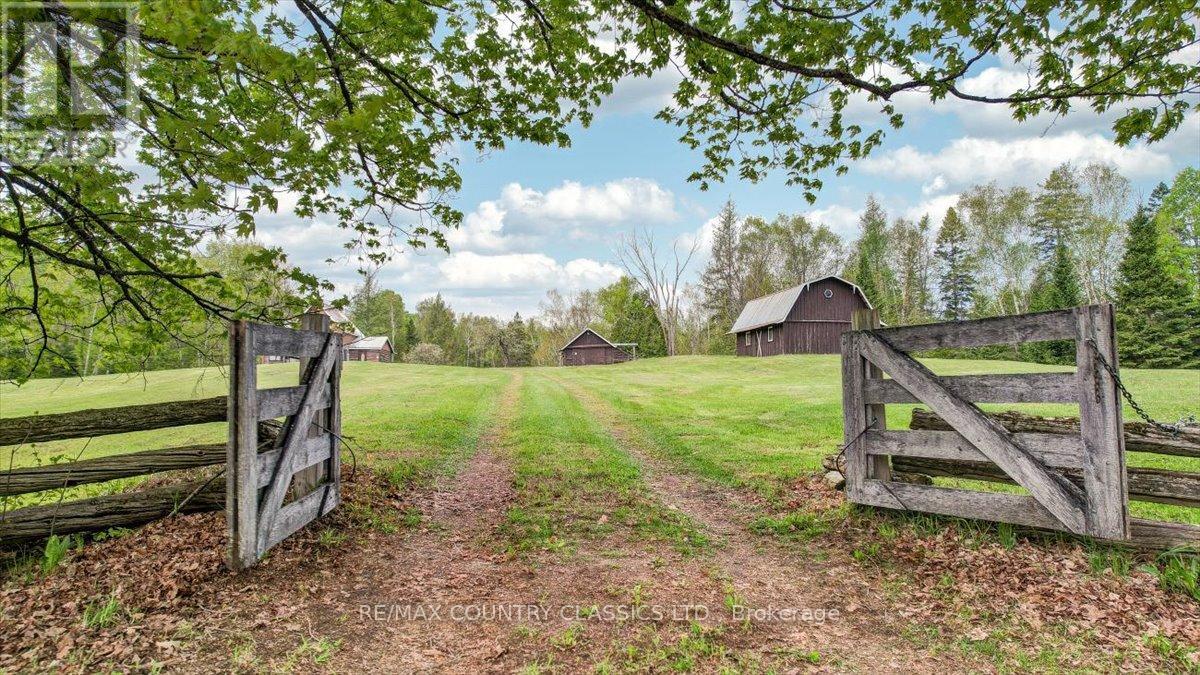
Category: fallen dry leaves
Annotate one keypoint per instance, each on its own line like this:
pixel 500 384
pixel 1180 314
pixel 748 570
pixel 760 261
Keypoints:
pixel 973 588
pixel 168 579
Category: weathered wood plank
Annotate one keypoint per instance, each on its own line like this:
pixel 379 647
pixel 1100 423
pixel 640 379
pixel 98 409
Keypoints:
pixel 1050 449
pixel 127 509
pixel 241 501
pixel 292 517
pixel 277 341
pixel 107 421
pixel 297 430
pixel 335 426
pixel 1005 508
pixel 1157 534
pixel 306 480
pixel 314 449
pixel 1139 437
pixel 854 416
pixel 1058 495
pixel 1016 509
pixel 1101 424
pixel 101 469
pixel 877 466
pixel 1022 388
pixel 283 401
pixel 1053 325
pixel 1149 485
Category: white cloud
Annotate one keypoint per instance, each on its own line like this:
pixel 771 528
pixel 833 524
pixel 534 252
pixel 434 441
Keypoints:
pixel 642 94
pixel 934 186
pixel 521 215
pixel 842 220
pixel 467 270
pixel 934 207
pixel 614 202
pixel 970 160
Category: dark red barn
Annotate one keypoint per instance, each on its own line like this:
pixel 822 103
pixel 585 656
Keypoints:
pixel 805 319
pixel 590 349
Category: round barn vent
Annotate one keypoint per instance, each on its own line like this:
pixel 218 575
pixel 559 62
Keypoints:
pixel 828 293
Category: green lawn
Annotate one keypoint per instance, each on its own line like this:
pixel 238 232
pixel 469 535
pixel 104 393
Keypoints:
pixel 751 422
pixel 413 420
pixel 573 482
pixel 760 422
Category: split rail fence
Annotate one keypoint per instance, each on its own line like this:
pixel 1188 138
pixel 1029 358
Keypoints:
pixel 1074 472
pixel 263 503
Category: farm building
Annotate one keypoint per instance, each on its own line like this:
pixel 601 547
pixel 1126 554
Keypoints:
pixel 377 348
pixel 338 323
pixel 805 319
pixel 589 348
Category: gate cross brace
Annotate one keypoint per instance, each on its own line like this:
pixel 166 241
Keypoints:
pixel 1059 496
pixel 298 426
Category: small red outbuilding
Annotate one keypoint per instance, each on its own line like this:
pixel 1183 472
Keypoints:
pixel 589 348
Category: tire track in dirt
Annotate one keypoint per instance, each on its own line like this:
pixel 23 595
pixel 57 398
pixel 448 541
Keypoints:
pixel 766 573
pixel 449 562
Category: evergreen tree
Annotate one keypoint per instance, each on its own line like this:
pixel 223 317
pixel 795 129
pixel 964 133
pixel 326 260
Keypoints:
pixel 872 269
pixel 1157 316
pixel 1057 287
pixel 722 278
pixel 1180 216
pixel 957 280
pixel 408 336
pixel 516 343
pixel 1059 210
pixel 1157 195
pixel 436 324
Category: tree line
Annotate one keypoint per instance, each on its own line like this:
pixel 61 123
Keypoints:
pixel 1077 238
pixel 433 333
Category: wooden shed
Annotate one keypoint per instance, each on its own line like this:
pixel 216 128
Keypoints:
pixel 377 348
pixel 589 348
pixel 805 319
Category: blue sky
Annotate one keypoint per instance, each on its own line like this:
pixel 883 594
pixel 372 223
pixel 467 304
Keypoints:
pixel 539 218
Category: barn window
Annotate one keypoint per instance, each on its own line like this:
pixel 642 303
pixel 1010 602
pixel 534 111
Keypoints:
pixel 828 293
pixel 770 334
pixel 747 343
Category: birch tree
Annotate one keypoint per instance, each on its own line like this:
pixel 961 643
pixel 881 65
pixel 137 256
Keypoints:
pixel 659 273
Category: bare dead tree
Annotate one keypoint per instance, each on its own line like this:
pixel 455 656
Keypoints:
pixel 658 275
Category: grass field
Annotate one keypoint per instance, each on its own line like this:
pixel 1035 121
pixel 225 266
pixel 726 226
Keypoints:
pixel 746 422
pixel 662 482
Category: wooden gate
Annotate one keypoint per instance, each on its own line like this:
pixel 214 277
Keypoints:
pixel 273 493
pixel 1097 506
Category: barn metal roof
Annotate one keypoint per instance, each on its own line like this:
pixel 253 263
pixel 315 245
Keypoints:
pixel 373 342
pixel 774 308
pixel 589 330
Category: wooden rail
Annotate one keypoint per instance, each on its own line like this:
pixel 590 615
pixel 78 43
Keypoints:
pixel 936 450
pixel 262 455
pixel 108 421
pixel 1139 436
pixel 1074 471
pixel 127 509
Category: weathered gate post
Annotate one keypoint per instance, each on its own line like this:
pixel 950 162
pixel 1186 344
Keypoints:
pixel 878 466
pixel 306 481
